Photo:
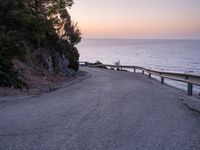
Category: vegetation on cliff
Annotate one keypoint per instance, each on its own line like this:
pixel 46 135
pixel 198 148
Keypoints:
pixel 29 26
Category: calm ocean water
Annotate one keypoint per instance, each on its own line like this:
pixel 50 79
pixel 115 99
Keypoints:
pixel 168 55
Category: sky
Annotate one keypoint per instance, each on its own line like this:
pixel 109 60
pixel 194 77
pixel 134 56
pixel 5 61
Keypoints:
pixel 137 18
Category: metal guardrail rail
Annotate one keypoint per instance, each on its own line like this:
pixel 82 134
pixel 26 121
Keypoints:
pixel 190 79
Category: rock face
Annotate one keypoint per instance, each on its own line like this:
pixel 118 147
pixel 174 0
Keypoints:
pixel 55 62
pixel 47 62
pixel 42 67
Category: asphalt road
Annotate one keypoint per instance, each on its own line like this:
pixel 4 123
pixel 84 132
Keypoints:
pixel 108 111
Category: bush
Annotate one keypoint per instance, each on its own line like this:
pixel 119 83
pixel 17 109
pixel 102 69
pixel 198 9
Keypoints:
pixel 7 74
pixel 74 59
pixel 10 47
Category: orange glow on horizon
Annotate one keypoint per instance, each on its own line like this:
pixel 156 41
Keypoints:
pixel 134 18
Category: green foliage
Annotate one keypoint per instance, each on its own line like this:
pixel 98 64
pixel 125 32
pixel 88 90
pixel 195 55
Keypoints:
pixel 39 23
pixel 7 75
pixel 73 34
pixel 73 59
pixel 10 47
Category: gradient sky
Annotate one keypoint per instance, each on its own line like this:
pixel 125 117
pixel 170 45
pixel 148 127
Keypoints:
pixel 138 18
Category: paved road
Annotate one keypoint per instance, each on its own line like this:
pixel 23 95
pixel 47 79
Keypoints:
pixel 108 111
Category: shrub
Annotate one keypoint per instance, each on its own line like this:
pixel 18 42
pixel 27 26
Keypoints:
pixel 73 59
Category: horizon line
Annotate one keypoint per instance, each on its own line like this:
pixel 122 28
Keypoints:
pixel 140 38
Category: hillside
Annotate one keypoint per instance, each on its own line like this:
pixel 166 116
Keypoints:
pixel 37 42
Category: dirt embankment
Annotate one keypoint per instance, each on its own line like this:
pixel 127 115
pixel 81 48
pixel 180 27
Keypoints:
pixel 42 71
pixel 44 86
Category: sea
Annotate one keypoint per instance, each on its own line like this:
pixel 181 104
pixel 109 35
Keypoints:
pixel 166 55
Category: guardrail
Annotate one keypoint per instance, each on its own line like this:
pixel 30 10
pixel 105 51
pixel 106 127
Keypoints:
pixel 190 79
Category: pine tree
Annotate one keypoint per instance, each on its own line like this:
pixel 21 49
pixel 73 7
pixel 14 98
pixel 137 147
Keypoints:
pixel 39 23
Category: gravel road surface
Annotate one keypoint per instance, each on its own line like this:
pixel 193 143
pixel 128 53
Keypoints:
pixel 110 110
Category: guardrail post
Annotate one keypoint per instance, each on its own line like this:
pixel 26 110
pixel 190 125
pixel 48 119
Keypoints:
pixel 142 71
pixel 162 81
pixel 190 89
pixel 149 75
pixel 134 69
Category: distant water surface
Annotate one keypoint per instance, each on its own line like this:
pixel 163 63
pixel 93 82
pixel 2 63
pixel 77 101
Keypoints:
pixel 168 55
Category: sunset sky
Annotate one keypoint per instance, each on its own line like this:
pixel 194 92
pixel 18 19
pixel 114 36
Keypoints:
pixel 138 18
